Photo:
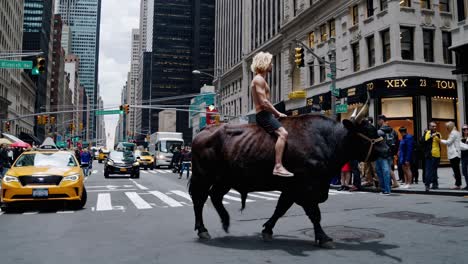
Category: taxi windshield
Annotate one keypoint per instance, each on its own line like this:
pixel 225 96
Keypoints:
pixel 46 160
pixel 145 153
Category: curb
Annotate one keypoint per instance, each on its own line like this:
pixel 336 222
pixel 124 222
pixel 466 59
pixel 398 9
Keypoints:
pixel 431 192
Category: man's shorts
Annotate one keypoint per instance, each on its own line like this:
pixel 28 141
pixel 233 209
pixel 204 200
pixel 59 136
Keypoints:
pixel 267 121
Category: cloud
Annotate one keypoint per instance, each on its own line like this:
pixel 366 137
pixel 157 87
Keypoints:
pixel 118 17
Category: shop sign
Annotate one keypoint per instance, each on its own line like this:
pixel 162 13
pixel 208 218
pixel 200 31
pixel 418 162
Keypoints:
pixel 412 82
pixel 341 108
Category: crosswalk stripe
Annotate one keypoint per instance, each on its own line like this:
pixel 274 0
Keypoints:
pixel 182 194
pixel 94 171
pixel 269 194
pixel 104 202
pixel 65 212
pixel 152 171
pixel 138 201
pixel 229 197
pixel 278 192
pixel 161 171
pixel 335 191
pixel 168 200
pixel 30 213
pixel 2 213
pixel 254 195
pixel 145 172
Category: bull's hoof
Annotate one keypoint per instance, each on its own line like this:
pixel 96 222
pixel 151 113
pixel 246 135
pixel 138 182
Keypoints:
pixel 226 228
pixel 204 235
pixel 328 244
pixel 267 237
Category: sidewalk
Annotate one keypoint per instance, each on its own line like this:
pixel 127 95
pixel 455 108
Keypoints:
pixel 446 181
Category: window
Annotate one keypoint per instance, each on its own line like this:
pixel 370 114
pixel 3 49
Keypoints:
pixel 322 70
pixel 444 5
pixel 331 28
pixel 406 40
pixel 426 4
pixel 311 74
pixel 323 32
pixel 383 5
pixel 428 38
pixel 355 50
pixel 311 39
pixel 386 52
pixel 355 14
pixel 370 8
pixel 461 10
pixel 370 50
pixel 446 43
pixel 406 3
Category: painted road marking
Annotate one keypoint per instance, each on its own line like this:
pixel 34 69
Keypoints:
pixel 337 192
pixel 152 171
pixel 256 196
pixel 121 190
pixel 269 194
pixel 237 199
pixel 145 172
pixel 65 212
pixel 138 201
pixel 2 213
pixel 94 172
pixel 30 213
pixel 104 202
pixel 141 187
pixel 168 200
pixel 182 194
pixel 162 171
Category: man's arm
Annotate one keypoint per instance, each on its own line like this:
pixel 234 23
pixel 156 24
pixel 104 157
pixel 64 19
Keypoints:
pixel 265 104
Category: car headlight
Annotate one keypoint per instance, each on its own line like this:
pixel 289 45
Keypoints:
pixel 73 177
pixel 7 179
pixel 136 164
pixel 161 157
pixel 110 163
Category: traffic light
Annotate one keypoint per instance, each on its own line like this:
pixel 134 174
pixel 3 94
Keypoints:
pixel 81 126
pixel 46 120
pixel 299 57
pixel 52 120
pixel 39 120
pixel 7 126
pixel 40 64
pixel 127 109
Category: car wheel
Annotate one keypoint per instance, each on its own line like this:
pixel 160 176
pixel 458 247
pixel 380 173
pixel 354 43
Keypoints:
pixel 106 174
pixel 78 205
pixel 136 175
pixel 100 161
pixel 7 208
pixel 151 167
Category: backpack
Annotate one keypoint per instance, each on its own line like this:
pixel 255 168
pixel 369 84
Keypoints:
pixel 391 139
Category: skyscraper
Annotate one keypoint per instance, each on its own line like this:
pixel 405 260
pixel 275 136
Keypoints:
pixel 83 17
pixel 37 28
pixel 135 92
pixel 180 44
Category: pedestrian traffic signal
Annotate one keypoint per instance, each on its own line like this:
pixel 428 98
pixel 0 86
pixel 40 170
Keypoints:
pixel 40 64
pixel 299 57
pixel 127 109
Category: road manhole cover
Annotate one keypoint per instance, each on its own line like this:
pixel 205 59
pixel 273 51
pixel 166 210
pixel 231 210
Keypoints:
pixel 445 221
pixel 405 215
pixel 348 234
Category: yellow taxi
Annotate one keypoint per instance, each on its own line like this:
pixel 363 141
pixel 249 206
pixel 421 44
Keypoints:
pixel 145 159
pixel 44 175
pixel 103 154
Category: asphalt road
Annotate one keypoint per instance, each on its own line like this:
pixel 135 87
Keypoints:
pixel 150 220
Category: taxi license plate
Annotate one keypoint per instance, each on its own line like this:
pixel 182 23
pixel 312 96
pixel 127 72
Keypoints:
pixel 145 163
pixel 40 193
pixel 123 169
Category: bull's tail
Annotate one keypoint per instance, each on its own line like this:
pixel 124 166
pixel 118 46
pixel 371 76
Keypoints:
pixel 243 200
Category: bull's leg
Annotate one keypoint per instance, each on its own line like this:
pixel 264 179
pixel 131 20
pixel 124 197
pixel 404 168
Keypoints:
pixel 285 202
pixel 199 195
pixel 313 212
pixel 216 193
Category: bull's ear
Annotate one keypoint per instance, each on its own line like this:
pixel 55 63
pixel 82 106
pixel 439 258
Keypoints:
pixel 348 124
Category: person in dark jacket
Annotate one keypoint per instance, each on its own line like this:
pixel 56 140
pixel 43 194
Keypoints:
pixel 4 160
pixel 405 155
pixel 464 154
pixel 175 158
pixel 391 138
pixel 186 161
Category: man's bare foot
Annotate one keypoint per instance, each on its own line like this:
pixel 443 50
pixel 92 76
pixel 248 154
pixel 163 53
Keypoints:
pixel 282 172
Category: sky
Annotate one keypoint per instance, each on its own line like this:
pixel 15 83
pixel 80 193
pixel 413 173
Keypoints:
pixel 118 17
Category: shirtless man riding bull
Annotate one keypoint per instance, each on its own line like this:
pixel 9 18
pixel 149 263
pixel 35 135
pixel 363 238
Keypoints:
pixel 261 66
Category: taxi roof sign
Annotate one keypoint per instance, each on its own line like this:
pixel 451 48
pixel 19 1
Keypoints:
pixel 48 144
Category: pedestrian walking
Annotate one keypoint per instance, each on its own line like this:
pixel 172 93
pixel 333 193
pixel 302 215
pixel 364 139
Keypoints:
pixel 391 138
pixel 432 156
pixel 186 161
pixel 405 155
pixel 345 177
pixel 85 158
pixel 4 160
pixel 356 174
pixel 382 166
pixel 454 152
pixel 175 157
pixel 464 154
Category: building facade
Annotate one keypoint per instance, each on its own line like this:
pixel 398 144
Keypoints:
pixel 58 76
pixel 83 17
pixel 396 50
pixel 37 35
pixel 11 40
pixel 135 91
pixel 72 65
pixel 180 44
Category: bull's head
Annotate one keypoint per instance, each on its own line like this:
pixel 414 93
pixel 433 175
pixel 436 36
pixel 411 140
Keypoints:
pixel 364 141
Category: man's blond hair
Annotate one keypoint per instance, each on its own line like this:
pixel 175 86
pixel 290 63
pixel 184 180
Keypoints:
pixel 261 62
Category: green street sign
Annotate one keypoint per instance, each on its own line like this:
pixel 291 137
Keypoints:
pixel 11 64
pixel 342 108
pixel 109 112
pixel 335 92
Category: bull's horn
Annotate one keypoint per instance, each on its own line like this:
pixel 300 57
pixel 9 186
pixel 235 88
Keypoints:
pixel 353 116
pixel 363 111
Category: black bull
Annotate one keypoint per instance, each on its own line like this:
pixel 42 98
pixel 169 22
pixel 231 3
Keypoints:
pixel 241 157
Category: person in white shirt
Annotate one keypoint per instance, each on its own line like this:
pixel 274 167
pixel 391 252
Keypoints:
pixel 454 152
